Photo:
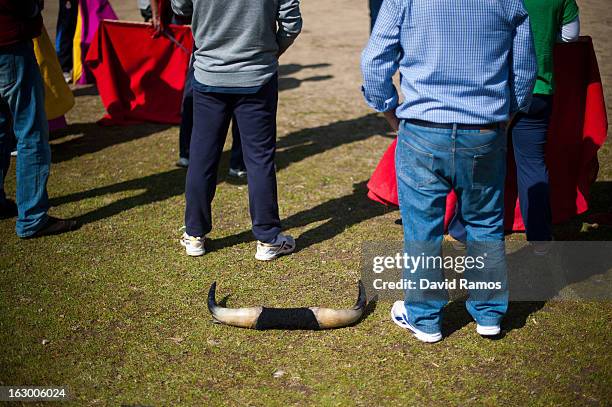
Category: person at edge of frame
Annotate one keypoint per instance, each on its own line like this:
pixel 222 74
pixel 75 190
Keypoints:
pixel 23 117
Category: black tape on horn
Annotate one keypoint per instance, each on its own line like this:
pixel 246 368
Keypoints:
pixel 287 318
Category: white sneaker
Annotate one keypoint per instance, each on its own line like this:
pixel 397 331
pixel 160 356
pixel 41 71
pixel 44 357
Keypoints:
pixel 194 246
pixel 284 244
pixel 399 316
pixel 492 330
pixel 14 153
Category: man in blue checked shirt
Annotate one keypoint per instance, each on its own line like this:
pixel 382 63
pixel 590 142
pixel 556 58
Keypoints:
pixel 465 68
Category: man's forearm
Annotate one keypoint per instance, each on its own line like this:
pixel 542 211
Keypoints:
pixel 524 67
pixel 155 8
pixel 380 58
pixel 289 24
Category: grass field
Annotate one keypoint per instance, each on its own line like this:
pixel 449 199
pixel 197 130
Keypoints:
pixel 117 311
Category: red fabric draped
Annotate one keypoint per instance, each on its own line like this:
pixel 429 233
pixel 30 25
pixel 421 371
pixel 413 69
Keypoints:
pixel 578 129
pixel 140 78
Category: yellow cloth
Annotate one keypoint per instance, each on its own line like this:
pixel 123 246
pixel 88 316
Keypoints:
pixel 58 96
pixel 77 67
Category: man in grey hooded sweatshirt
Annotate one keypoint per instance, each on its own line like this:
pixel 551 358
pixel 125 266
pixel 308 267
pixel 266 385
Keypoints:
pixel 237 46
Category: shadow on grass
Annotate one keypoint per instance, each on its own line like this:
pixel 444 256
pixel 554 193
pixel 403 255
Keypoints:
pixel 158 187
pixel 339 213
pixel 519 312
pixel 285 82
pixel 456 316
pixel 575 270
pixel 596 223
pixel 369 309
pixel 95 138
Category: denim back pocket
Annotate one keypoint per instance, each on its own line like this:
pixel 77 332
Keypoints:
pixel 8 74
pixel 415 165
pixel 488 168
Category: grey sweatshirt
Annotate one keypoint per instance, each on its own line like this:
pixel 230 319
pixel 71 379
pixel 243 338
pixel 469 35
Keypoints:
pixel 237 42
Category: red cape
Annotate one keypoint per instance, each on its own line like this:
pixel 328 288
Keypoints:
pixel 578 129
pixel 140 78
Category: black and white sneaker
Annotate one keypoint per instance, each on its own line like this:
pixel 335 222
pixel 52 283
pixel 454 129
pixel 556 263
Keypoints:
pixel 400 317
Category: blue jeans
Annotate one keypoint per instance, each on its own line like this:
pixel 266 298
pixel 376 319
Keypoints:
pixel 429 163
pixel 529 134
pixel 22 115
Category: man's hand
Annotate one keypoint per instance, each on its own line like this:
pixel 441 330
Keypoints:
pixel 156 21
pixel 392 119
pixel 156 18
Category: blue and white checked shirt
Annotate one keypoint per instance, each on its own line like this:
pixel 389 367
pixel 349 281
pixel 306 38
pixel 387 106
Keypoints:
pixel 463 61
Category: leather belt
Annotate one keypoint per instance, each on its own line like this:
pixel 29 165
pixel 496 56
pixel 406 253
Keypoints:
pixel 423 123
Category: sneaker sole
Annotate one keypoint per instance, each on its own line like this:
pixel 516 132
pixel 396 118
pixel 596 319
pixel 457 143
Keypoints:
pixel 421 336
pixel 275 256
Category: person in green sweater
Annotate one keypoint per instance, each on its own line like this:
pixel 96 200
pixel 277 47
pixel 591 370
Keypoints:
pixel 551 21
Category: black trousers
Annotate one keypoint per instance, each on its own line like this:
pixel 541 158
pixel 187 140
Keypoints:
pixel 255 117
pixel 66 26
pixel 236 160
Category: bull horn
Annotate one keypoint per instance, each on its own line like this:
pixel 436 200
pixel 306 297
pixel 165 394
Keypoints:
pixel 240 317
pixel 336 318
pixel 313 318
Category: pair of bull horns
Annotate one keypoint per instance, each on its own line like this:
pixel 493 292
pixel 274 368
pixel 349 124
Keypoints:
pixel 313 318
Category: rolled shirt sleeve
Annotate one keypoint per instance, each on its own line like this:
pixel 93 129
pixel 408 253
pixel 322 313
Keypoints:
pixel 524 65
pixel 289 23
pixel 380 58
